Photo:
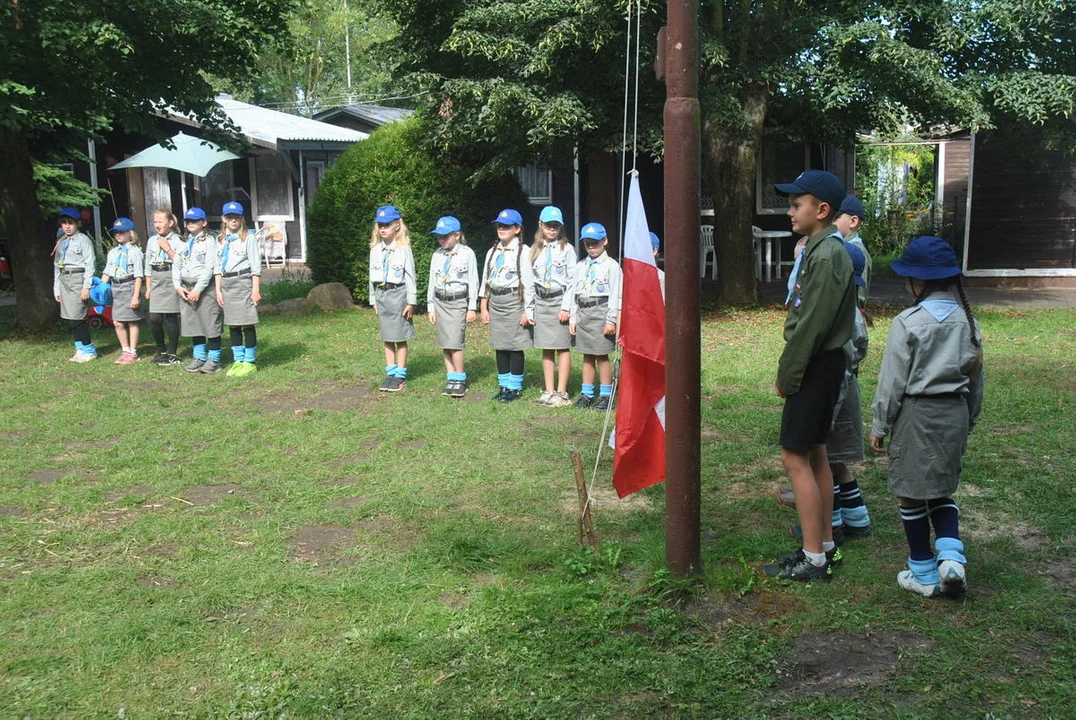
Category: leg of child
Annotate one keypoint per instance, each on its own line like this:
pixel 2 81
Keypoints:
pixel 564 369
pixel 239 353
pixel 81 332
pixel 516 360
pixel 156 329
pixel 450 366
pixel 922 573
pixel 401 360
pixel 457 362
pixel 504 369
pixel 133 332
pixel 945 517
pixel 171 321
pixel 390 359
pixel 605 375
pixel 853 508
pixel 588 375
pixel 824 480
pixel 121 335
pixel 798 467
pixel 548 368
pixel 250 344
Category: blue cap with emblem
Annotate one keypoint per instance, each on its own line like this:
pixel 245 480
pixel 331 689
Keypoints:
pixel 446 226
pixel 122 224
pixel 71 213
pixel 386 214
pixel 194 213
pixel 100 292
pixel 825 186
pixel 508 216
pixel 592 232
pixel 231 208
pixel 852 206
pixel 927 258
pixel 655 241
pixel 859 263
pixel 551 214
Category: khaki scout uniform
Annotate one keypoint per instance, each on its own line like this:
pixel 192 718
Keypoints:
pixel 72 272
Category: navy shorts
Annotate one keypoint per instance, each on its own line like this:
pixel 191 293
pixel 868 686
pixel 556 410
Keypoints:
pixel 808 414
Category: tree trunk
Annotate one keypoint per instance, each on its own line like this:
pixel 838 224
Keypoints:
pixel 732 155
pixel 30 259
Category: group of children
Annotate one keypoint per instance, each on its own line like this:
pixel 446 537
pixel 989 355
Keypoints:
pixel 173 275
pixel 928 398
pixel 530 296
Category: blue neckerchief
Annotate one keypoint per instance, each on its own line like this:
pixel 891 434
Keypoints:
pixel 499 262
pixel 123 260
pixel 794 275
pixel 224 252
pixel 63 249
pixel 190 246
pixel 446 266
pixel 548 262
pixel 386 256
pixel 592 272
pixel 940 308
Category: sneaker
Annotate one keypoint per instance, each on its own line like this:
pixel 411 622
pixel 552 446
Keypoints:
pixel 384 386
pixel 233 371
pixel 122 359
pixel 907 580
pixel 801 570
pixel 246 369
pixel 159 359
pixel 171 359
pixel 786 498
pixel 126 358
pixel 954 581
pixel 448 388
pixel 84 357
pixel 195 366
pixel 74 358
pixel 834 557
pixel 511 395
pixel 838 533
pixel 583 402
pixel 209 367
pixel 851 532
pixel 395 384
pixel 601 404
pixel 501 393
pixel 559 400
pixel 458 389
pixel 544 399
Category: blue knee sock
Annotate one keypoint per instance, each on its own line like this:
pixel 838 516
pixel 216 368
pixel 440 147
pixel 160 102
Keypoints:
pixel 78 346
pixel 503 379
pixel 89 349
pixel 853 508
pixel 838 518
pixel 214 355
pixel 457 377
pixel 462 377
pixel 390 370
pixel 239 353
pixel 515 382
pixel 605 390
pixel 587 389
pixel 949 548
pixel 925 571
pixel 199 352
pixel 252 354
pixel 401 372
pixel 917 530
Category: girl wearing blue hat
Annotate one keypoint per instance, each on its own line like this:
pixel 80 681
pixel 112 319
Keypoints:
pixel 552 265
pixel 164 304
pixel 393 291
pixel 124 269
pixel 508 303
pixel 238 278
pixel 201 318
pixel 72 276
pixel 930 392
pixel 595 314
pixel 452 298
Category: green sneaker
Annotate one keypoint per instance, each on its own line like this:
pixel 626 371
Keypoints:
pixel 235 369
pixel 246 369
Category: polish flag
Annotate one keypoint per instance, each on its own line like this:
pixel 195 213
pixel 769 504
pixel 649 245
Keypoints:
pixel 639 459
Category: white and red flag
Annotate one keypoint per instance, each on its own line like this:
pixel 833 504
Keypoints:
pixel 639 459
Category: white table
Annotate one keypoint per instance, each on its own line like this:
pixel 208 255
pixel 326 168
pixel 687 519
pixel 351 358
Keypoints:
pixel 769 238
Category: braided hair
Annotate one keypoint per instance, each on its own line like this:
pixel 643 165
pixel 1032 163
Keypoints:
pixel 930 286
pixel 519 260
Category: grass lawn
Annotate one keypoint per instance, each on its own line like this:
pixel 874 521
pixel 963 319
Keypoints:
pixel 297 544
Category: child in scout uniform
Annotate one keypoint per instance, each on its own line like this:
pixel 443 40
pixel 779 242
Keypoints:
pixel 164 304
pixel 124 269
pixel 930 392
pixel 72 276
pixel 238 271
pixel 508 303
pixel 201 316
pixel 393 291
pixel 655 242
pixel 452 298
pixel 821 319
pixel 849 218
pixel 552 265
pixel 595 314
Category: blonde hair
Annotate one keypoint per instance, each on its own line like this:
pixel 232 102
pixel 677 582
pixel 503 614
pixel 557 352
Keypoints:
pixel 402 238
pixel 539 241
pixel 168 214
pixel 224 230
pixel 132 242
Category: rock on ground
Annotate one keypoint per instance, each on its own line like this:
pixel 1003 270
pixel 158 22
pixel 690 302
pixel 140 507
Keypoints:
pixel 295 306
pixel 331 296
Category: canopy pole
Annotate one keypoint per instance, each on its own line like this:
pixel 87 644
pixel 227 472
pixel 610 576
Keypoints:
pixel 183 190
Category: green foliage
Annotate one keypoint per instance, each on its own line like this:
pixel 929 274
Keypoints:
pixel 58 188
pixel 896 185
pixel 395 167
pixel 292 284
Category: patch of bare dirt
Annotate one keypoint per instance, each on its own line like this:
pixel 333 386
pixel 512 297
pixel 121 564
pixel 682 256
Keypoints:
pixel 605 500
pixel 837 662
pixel 347 459
pixel 344 481
pixel 322 544
pixel 1062 573
pixel 164 550
pixel 716 610
pixel 201 495
pixel 770 464
pixel 138 491
pixel 454 600
pixel 413 444
pixel 743 490
pixel 351 502
pixel 12 435
pixel 156 581
pixel 475 397
pixel 998 525
pixel 47 477
pixel 385 531
pixel 12 511
pixel 1004 430
pixel 331 399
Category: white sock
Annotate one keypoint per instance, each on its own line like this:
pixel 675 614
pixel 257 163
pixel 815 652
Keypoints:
pixel 817 559
pixel 828 545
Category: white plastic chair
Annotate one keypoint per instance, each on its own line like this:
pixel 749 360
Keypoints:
pixel 272 241
pixel 706 249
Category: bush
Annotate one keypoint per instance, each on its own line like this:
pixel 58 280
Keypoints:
pixel 395 166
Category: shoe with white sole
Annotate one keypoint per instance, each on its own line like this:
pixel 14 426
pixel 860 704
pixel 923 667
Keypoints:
pixel 906 579
pixel 954 581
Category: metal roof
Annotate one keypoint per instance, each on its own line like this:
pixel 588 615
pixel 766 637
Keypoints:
pixel 374 114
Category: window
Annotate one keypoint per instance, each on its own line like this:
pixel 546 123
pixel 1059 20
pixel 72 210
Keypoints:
pixel 781 159
pixel 218 188
pixel 315 174
pixel 537 183
pixel 271 188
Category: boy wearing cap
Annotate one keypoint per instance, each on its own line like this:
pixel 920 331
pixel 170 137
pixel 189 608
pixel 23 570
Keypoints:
pixel 595 315
pixel 72 276
pixel 849 218
pixel 200 315
pixel 821 317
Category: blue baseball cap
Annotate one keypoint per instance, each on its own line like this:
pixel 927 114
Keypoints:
pixel 852 206
pixel 446 226
pixel 122 224
pixel 100 292
pixel 194 213
pixel 859 262
pixel 655 241
pixel 72 213
pixel 386 214
pixel 551 214
pixel 825 186
pixel 231 208
pixel 508 216
pixel 927 258
pixel 593 232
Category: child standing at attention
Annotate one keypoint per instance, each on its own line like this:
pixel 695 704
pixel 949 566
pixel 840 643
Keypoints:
pixel 238 271
pixel 452 298
pixel 821 319
pixel 508 303
pixel 393 291
pixel 164 304
pixel 595 315
pixel 72 276
pixel 200 314
pixel 124 269
pixel 930 393
pixel 552 265
pixel 849 217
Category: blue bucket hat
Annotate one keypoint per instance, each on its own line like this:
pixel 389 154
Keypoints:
pixel 551 214
pixel 100 292
pixel 508 216
pixel 194 213
pixel 655 241
pixel 859 262
pixel 593 232
pixel 386 214
pixel 231 208
pixel 927 258
pixel 825 186
pixel 446 226
pixel 852 206
pixel 122 225
pixel 72 213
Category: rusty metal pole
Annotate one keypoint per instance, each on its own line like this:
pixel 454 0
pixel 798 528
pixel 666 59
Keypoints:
pixel 682 288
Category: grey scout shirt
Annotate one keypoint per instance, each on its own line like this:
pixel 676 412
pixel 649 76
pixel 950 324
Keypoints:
pixel 72 252
pixel 393 264
pixel 554 271
pixel 156 256
pixel 499 272
pixel 237 255
pixel 195 262
pixel 135 266
pixel 596 278
pixel 927 356
pixel 862 292
pixel 453 271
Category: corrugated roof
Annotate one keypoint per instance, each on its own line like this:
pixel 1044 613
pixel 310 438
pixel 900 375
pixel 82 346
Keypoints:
pixel 268 128
pixel 375 114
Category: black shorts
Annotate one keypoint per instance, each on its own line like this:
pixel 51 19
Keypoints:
pixel 808 413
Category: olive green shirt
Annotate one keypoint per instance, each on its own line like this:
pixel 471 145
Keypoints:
pixel 822 313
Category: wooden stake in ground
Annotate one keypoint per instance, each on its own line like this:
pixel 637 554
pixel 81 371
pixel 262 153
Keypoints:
pixel 584 523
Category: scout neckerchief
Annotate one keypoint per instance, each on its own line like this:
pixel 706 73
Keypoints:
pixel 448 263
pixel 592 272
pixel 162 256
pixel 548 263
pixel 63 249
pixel 386 258
pixel 224 252
pixel 190 246
pixel 122 264
pixel 498 263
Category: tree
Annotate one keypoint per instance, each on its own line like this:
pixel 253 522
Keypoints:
pixel 75 69
pixel 513 81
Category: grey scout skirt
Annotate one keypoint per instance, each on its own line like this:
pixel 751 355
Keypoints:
pixel 390 304
pixel 239 308
pixel 844 444
pixel 162 296
pixel 549 332
pixel 505 332
pixel 451 316
pixel 122 292
pixel 203 318
pixel 589 326
pixel 928 439
pixel 72 306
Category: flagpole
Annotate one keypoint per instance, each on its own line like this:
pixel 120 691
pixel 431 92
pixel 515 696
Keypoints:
pixel 682 319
